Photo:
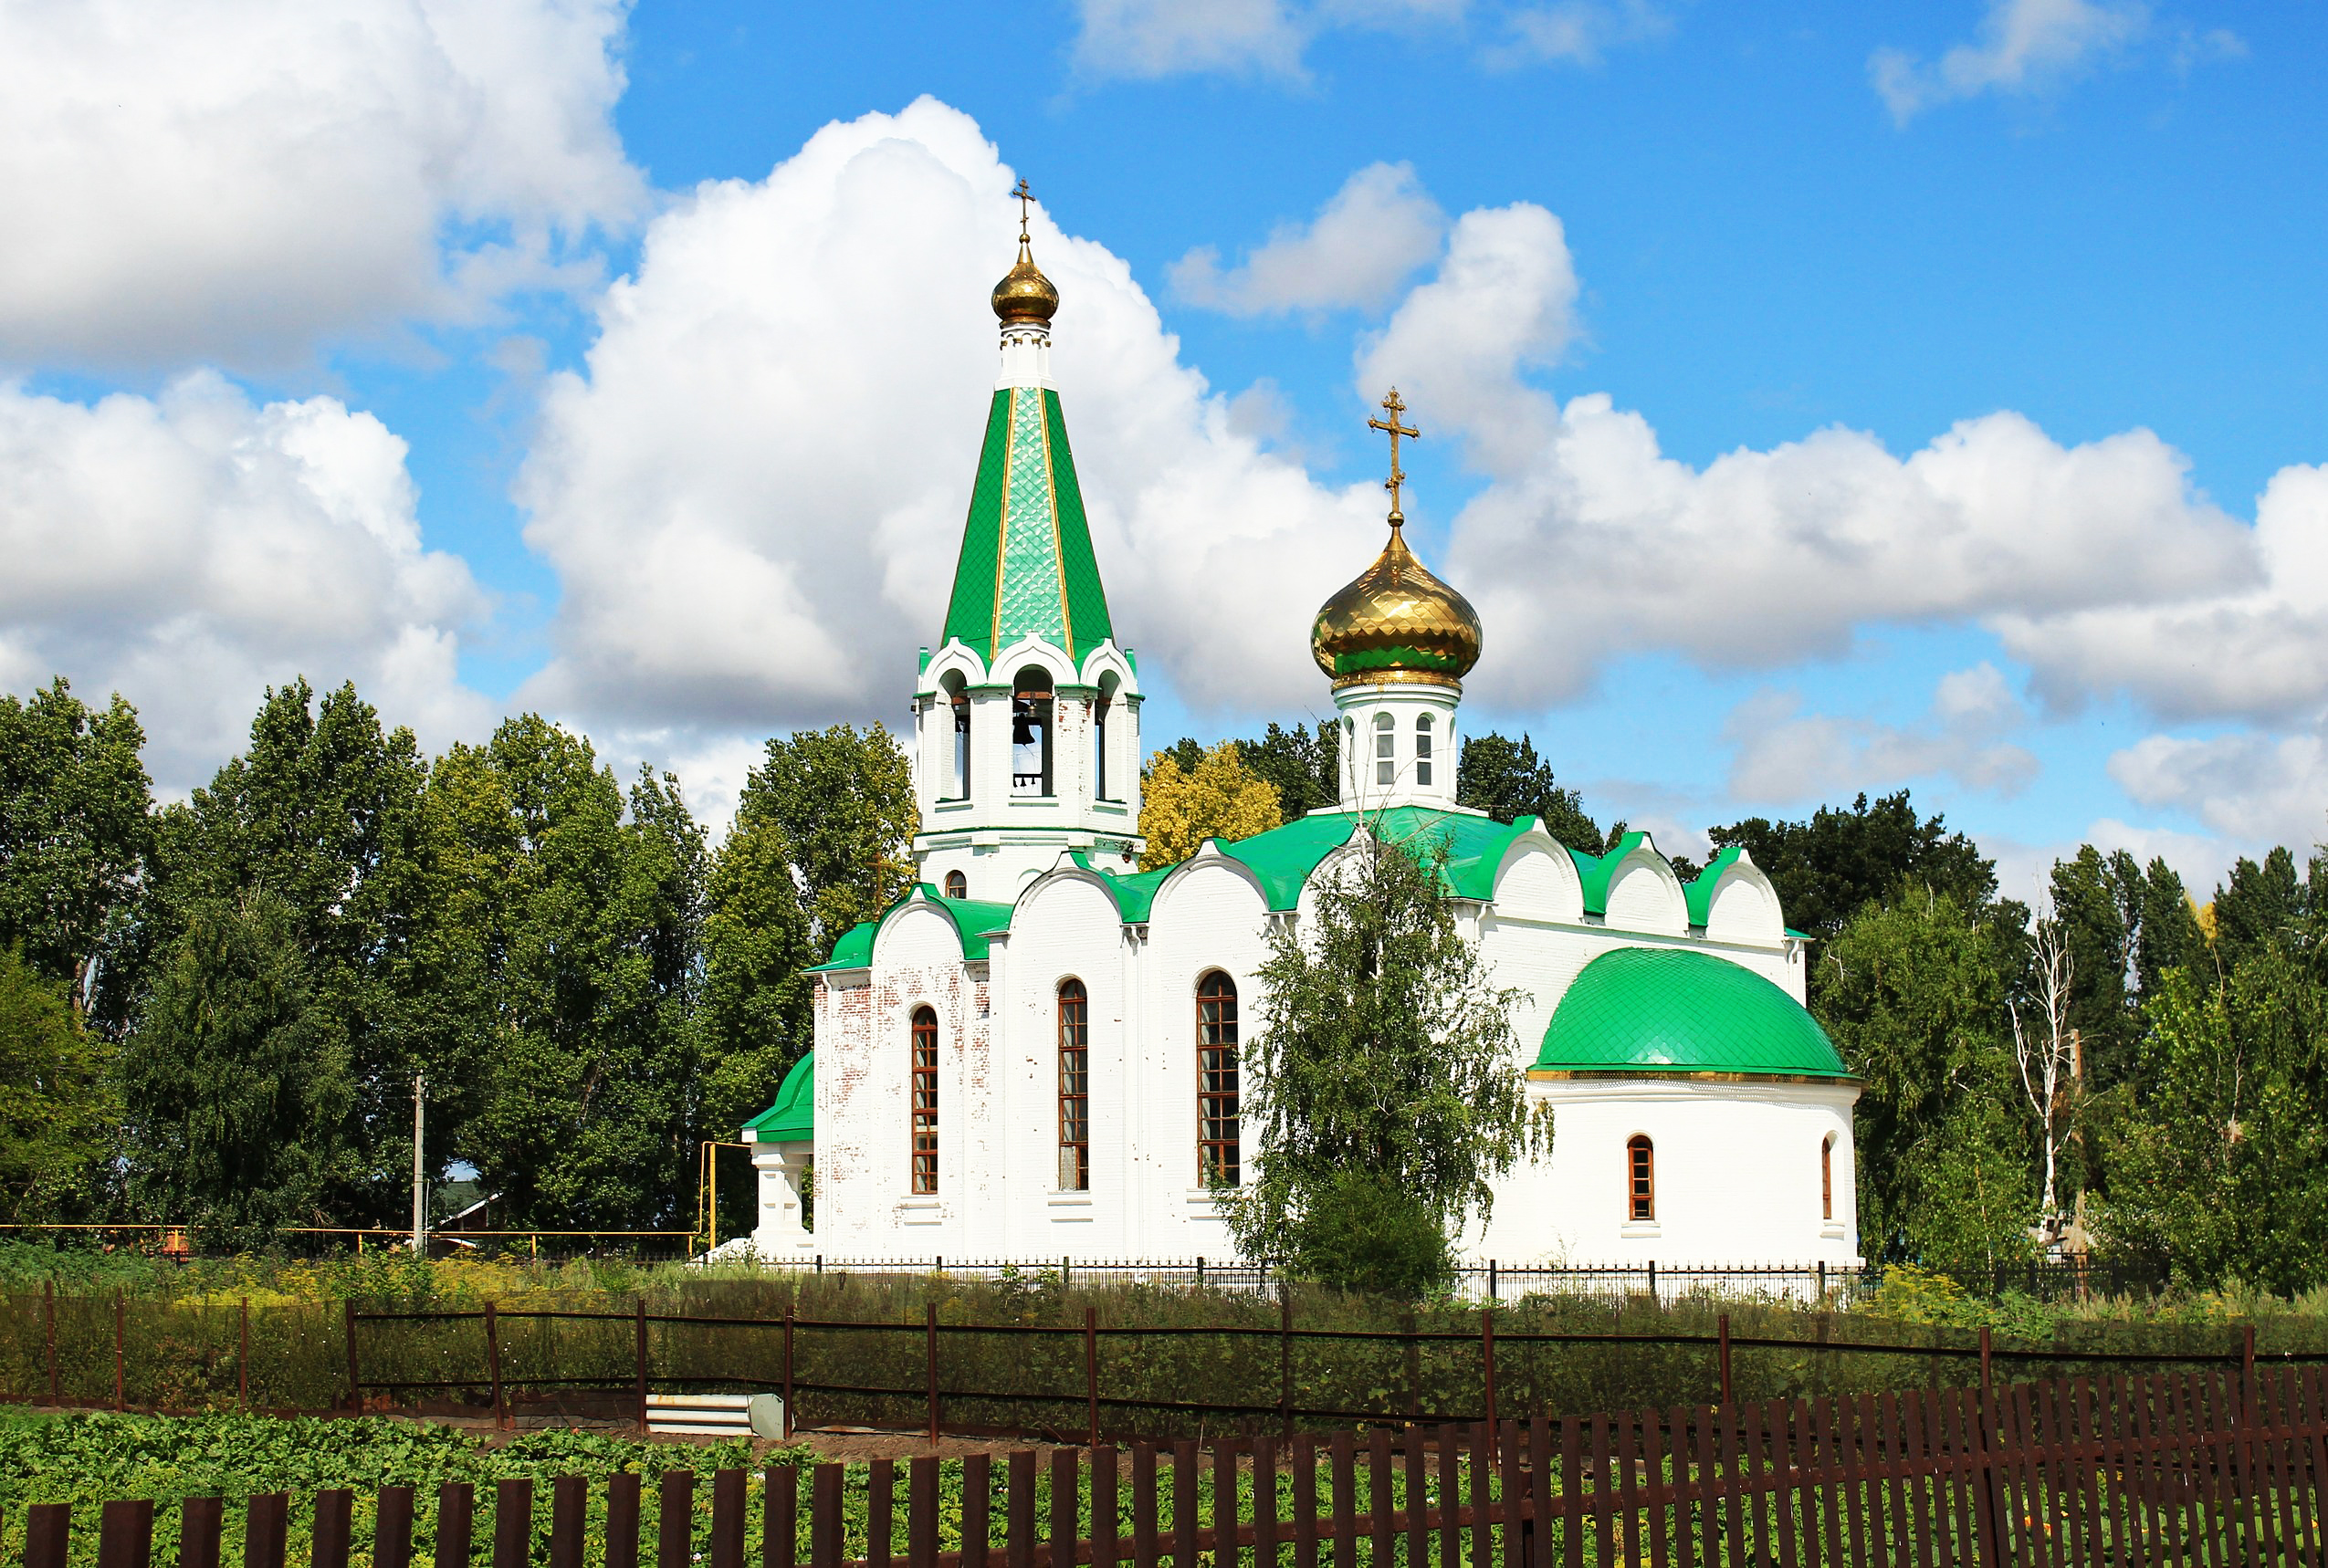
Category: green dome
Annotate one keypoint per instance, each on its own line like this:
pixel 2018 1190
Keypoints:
pixel 1665 1010
pixel 794 1116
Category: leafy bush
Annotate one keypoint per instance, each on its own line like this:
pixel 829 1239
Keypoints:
pixel 1369 1235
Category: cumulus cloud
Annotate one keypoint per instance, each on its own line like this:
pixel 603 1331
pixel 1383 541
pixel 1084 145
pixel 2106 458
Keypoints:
pixel 190 549
pixel 2260 652
pixel 2254 789
pixel 2024 47
pixel 1578 32
pixel 1145 39
pixel 1782 756
pixel 1369 238
pixel 753 491
pixel 231 180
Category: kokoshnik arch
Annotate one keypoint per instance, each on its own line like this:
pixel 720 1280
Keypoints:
pixel 1035 1054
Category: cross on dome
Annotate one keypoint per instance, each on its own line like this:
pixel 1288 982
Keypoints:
pixel 1394 405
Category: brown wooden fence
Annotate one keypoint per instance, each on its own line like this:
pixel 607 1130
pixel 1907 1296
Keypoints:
pixel 2199 1468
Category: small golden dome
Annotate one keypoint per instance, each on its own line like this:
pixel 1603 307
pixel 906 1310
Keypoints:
pixel 1024 294
pixel 1396 622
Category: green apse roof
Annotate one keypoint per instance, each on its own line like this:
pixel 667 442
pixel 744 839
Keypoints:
pixel 1027 568
pixel 974 920
pixel 794 1116
pixel 1665 1010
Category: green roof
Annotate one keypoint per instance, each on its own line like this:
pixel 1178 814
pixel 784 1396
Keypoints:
pixel 1135 895
pixel 1283 858
pixel 794 1116
pixel 1700 893
pixel 1027 567
pixel 974 921
pixel 854 950
pixel 1667 1009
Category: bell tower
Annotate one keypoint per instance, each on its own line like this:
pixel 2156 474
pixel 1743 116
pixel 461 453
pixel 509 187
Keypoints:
pixel 1026 716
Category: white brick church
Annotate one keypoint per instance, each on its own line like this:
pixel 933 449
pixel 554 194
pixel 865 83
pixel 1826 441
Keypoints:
pixel 1034 1054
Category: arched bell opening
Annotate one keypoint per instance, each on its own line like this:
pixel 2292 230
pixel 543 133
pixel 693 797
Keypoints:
pixel 1033 708
pixel 955 695
pixel 1102 710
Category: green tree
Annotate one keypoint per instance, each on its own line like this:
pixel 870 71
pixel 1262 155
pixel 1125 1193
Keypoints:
pixel 1302 761
pixel 1506 779
pixel 584 920
pixel 1217 799
pixel 1827 868
pixel 75 829
pixel 1913 996
pixel 239 1096
pixel 844 798
pixel 2261 906
pixel 58 1110
pixel 1384 1053
pixel 758 1005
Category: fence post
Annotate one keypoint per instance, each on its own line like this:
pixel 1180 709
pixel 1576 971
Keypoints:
pixel 48 1316
pixel 638 1307
pixel 929 1311
pixel 355 1383
pixel 787 1371
pixel 1487 1369
pixel 121 1352
pixel 2246 1374
pixel 1822 1285
pixel 1989 1515
pixel 1285 1354
pixel 1091 1367
pixel 1200 1270
pixel 1984 1363
pixel 1722 1328
pixel 1491 1279
pixel 242 1361
pixel 493 1365
pixel 1652 1282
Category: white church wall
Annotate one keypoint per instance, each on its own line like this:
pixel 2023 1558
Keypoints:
pixel 1645 895
pixel 865 1200
pixel 1744 907
pixel 1067 926
pixel 1736 1176
pixel 1537 880
pixel 1208 915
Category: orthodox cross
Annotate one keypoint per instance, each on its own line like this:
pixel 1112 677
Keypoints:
pixel 1394 407
pixel 1024 196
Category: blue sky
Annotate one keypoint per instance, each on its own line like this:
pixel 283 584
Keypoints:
pixel 2046 227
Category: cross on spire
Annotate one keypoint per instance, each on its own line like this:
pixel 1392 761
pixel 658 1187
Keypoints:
pixel 1024 196
pixel 1394 405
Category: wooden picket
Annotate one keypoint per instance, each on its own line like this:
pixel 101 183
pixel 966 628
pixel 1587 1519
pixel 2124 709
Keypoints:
pixel 2184 1468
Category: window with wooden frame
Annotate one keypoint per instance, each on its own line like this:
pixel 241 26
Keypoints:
pixel 1217 1160
pixel 924 1100
pixel 1826 1179
pixel 1640 1179
pixel 1074 1087
pixel 957 884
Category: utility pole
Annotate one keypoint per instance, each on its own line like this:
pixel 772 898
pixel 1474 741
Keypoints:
pixel 420 1180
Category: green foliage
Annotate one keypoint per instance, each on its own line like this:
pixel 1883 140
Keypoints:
pixel 1360 1231
pixel 1383 1050
pixel 842 800
pixel 2219 1169
pixel 2125 927
pixel 1827 868
pixel 1506 779
pixel 758 1005
pixel 58 1112
pixel 1301 761
pixel 1218 799
pixel 75 828
pixel 1913 993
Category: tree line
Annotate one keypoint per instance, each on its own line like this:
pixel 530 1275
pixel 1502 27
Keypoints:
pixel 214 1010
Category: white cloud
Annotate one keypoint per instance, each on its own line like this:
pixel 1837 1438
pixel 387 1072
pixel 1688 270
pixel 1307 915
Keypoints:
pixel 1578 32
pixel 2258 653
pixel 1369 238
pixel 753 493
pixel 2024 47
pixel 2254 789
pixel 233 179
pixel 191 549
pixel 1782 756
pixel 1145 39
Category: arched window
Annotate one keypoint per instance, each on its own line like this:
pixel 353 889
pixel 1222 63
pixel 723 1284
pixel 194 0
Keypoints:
pixel 1074 1087
pixel 957 699
pixel 1216 1080
pixel 1030 727
pixel 1386 749
pixel 924 1100
pixel 1100 710
pixel 1423 750
pixel 1640 1179
pixel 1826 1179
pixel 957 884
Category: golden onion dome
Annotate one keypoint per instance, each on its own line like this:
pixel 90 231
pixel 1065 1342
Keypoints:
pixel 1024 294
pixel 1396 622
